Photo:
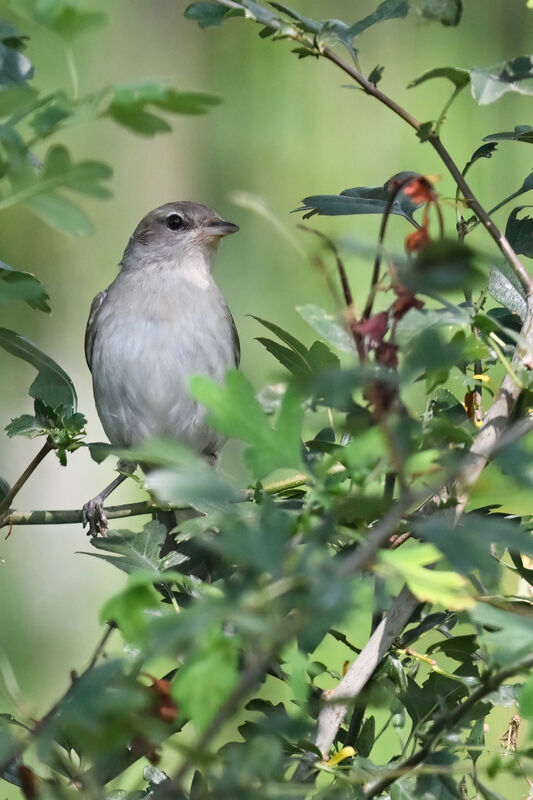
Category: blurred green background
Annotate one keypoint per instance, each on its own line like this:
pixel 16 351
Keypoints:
pixel 286 129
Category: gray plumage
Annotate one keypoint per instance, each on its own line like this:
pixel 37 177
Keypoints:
pixel 162 320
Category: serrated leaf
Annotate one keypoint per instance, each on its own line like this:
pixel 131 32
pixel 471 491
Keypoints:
pixel 459 77
pixel 207 677
pixel 491 83
pixel 235 411
pixel 429 585
pixel 133 551
pixel 129 609
pixel 506 289
pixel 52 385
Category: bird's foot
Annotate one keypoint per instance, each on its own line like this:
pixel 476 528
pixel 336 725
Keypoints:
pixel 93 514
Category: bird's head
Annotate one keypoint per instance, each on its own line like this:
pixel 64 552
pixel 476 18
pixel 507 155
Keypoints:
pixel 176 233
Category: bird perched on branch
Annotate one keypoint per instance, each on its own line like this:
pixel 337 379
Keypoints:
pixel 162 320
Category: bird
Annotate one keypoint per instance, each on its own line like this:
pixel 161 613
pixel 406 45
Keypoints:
pixel 160 321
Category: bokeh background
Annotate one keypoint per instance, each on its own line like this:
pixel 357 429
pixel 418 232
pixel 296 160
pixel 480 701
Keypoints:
pixel 285 129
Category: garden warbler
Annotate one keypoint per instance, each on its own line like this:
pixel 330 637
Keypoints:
pixel 162 320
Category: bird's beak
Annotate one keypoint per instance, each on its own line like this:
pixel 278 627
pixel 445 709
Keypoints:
pixel 221 228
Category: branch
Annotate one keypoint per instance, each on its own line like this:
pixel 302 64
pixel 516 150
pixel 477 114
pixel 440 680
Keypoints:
pixel 69 516
pixel 447 722
pixel 434 139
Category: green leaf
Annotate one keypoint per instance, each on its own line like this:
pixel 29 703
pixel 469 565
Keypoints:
pixel 404 789
pixel 207 677
pixel 448 12
pixel 132 105
pixel 505 635
pixel 60 172
pixel 521 133
pixel 486 793
pixel 22 286
pixel 133 551
pixel 52 384
pixel 476 738
pixel 25 425
pixel 130 609
pixel 235 411
pixel 207 15
pixel 195 483
pixel 361 200
pixel 519 232
pixel 388 9
pixel 429 585
pixel 506 289
pixel 459 77
pixel 61 213
pixel 526 699
pixel 328 326
pixel 365 740
pixel 491 83
pixel 63 18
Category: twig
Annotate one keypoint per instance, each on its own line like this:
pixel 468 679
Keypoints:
pixel 47 447
pixel 447 721
pixel 372 90
pixel 69 516
pixel 21 746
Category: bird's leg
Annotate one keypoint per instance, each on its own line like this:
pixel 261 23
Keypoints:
pixel 93 512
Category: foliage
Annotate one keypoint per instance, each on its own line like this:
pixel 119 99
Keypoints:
pixel 352 488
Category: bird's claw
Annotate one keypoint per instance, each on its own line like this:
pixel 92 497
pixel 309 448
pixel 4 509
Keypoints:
pixel 93 514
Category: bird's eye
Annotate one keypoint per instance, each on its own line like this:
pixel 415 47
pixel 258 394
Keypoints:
pixel 174 222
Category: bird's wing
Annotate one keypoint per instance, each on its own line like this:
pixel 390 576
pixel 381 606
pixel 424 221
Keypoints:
pixel 235 335
pixel 92 324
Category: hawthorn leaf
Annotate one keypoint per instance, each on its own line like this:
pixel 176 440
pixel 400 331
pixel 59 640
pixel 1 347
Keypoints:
pixel 429 585
pixel 130 608
pixel 491 83
pixel 60 213
pixel 133 551
pixel 52 385
pixel 207 677
pixel 236 412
